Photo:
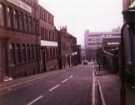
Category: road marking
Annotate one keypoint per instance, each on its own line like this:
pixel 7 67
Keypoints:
pixel 101 94
pixel 35 100
pixel 23 83
pixel 93 85
pixel 71 77
pixel 55 87
pixel 65 80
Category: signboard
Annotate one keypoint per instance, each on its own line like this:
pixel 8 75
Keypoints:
pixel 74 53
pixel 49 43
pixel 21 4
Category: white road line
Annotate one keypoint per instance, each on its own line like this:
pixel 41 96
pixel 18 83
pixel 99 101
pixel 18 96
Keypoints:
pixel 101 94
pixel 23 83
pixel 93 86
pixel 65 80
pixel 71 77
pixel 55 87
pixel 35 100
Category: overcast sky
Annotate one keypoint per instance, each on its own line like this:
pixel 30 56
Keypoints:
pixel 80 15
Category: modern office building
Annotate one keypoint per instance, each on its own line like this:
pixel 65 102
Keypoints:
pixel 94 40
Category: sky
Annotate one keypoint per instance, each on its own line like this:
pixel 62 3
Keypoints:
pixel 81 15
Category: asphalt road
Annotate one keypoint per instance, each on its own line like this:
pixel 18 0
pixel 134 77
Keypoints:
pixel 65 87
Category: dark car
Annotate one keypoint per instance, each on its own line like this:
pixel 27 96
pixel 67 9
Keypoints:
pixel 85 62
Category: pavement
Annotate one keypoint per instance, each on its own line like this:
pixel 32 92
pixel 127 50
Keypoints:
pixel 109 87
pixel 130 94
pixel 72 86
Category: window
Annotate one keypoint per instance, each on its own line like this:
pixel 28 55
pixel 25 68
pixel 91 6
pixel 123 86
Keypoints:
pixel 11 58
pixel 15 19
pixel 24 53
pixel 20 21
pixel 28 52
pixel 53 52
pixel 34 51
pixel 47 53
pixel 31 52
pixel 42 31
pixel 47 36
pixel 1 15
pixel 36 27
pixel 33 26
pixel 48 50
pixel 56 52
pixel 18 53
pixel 29 24
pixel 25 23
pixel 53 33
pixel 8 17
pixel 50 53
pixel 38 52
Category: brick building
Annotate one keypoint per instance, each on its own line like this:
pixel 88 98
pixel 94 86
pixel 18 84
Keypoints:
pixel 49 40
pixel 68 49
pixel 19 38
pixel 29 41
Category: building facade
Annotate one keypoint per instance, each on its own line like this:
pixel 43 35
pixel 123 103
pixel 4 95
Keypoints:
pixel 19 38
pixel 68 49
pixel 94 40
pixel 49 41
pixel 29 41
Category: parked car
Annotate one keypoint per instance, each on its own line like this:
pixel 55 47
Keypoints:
pixel 85 62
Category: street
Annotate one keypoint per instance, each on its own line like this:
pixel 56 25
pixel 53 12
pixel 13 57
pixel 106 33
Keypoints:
pixel 72 86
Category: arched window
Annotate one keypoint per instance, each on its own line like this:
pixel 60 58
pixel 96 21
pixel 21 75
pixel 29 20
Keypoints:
pixel 1 15
pixel 15 19
pixel 26 27
pixel 8 17
pixel 28 52
pixel 24 53
pixel 20 21
pixel 29 24
pixel 11 58
pixel 19 57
